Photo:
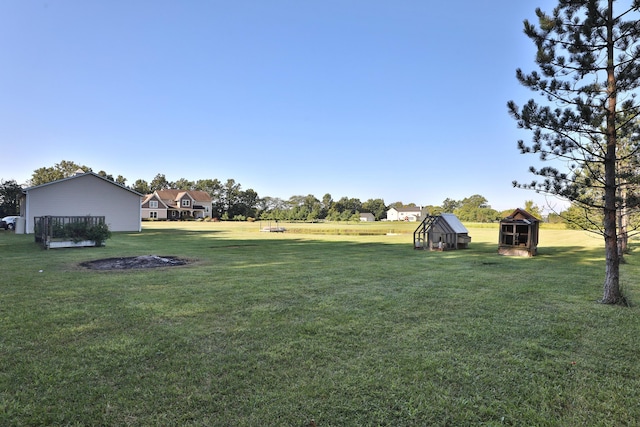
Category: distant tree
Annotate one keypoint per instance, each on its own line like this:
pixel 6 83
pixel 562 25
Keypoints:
pixel 273 208
pixel 476 209
pixel 295 201
pixel 628 183
pixel 230 197
pixel 589 62
pixel 159 182
pixel 333 214
pixel 435 210
pixel 376 207
pixel 579 217
pixel 215 189
pixel 450 205
pixel 628 179
pixel 533 209
pixel 272 203
pixel 10 192
pixel 184 184
pixel 304 208
pixel 555 218
pixel 61 170
pixel 247 203
pixel 313 206
pixel 346 204
pixel 211 186
pixel 106 175
pixel 327 201
pixel 121 180
pixel 141 186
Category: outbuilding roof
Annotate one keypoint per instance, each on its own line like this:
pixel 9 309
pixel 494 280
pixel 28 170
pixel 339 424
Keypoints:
pixel 78 174
pixel 454 223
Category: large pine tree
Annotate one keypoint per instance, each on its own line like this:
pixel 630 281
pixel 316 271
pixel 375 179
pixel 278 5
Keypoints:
pixel 588 57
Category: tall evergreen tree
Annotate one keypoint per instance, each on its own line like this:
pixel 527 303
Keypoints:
pixel 589 68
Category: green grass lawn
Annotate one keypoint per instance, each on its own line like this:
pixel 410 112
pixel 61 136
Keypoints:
pixel 342 324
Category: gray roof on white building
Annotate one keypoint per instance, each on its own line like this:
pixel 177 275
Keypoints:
pixel 454 223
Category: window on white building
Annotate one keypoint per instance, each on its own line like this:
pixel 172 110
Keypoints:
pixel 153 214
pixel 153 204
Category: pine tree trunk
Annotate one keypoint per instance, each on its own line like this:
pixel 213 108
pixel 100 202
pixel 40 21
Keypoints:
pixel 612 294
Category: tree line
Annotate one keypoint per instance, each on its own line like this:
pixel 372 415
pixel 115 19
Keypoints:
pixel 231 202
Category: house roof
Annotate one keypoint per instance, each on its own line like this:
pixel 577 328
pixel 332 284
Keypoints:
pixel 173 195
pixel 80 175
pixel 152 196
pixel 408 209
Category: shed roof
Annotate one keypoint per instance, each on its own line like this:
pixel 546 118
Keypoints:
pixel 454 223
pixel 80 175
pixel 521 214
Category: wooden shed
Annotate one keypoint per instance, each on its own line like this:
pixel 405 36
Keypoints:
pixel 441 233
pixel 519 234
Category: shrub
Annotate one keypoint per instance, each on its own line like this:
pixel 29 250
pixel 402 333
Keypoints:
pixel 77 231
pixel 98 233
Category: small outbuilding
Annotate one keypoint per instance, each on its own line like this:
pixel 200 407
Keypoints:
pixel 519 234
pixel 367 217
pixel 441 233
pixel 83 194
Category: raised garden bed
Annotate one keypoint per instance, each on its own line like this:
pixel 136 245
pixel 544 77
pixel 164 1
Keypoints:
pixel 71 231
pixel 53 244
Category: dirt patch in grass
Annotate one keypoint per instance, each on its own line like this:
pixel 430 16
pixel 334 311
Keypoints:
pixel 144 261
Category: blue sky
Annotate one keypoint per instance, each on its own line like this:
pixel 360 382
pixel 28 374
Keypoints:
pixel 402 100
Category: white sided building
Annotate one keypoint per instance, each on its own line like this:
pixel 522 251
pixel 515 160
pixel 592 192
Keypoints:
pixel 405 213
pixel 83 194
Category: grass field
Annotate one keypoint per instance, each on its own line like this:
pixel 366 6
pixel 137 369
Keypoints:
pixel 343 324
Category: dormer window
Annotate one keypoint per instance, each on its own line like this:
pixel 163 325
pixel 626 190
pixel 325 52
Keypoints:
pixel 153 204
pixel 186 203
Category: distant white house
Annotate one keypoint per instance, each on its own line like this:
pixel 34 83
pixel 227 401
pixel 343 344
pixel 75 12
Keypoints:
pixel 367 217
pixel 83 194
pixel 405 213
